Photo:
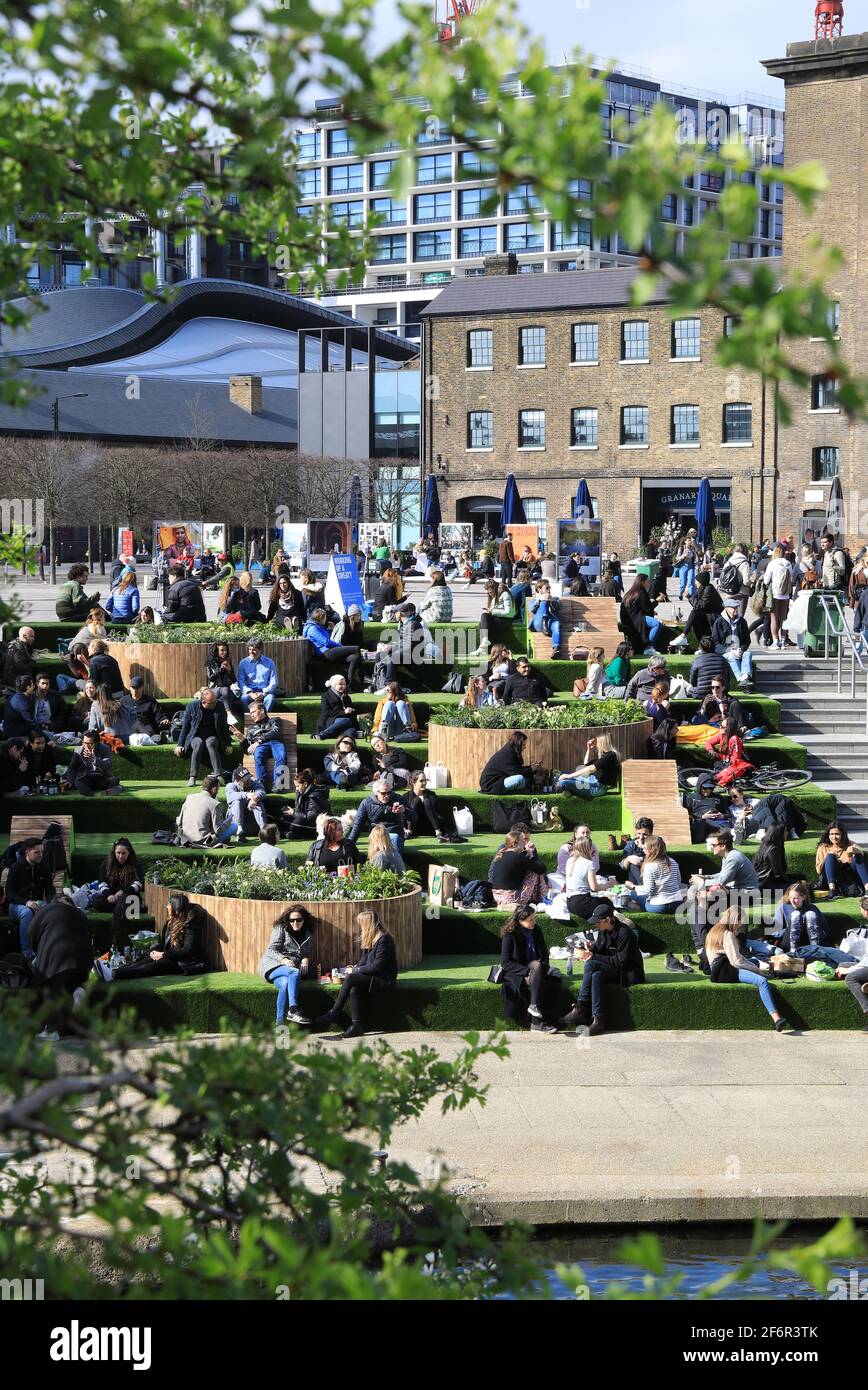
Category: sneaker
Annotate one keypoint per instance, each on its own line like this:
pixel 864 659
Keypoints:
pixel 77 999
pixel 674 966
pixel 687 960
pixel 240 838
pixel 45 1036
pixel 534 1011
pixel 355 1030
pixel 191 781
pixel 780 1025
pixel 103 970
pixel 679 643
pixel 538 1027
pixel 114 791
pixel 295 1016
pixel 650 651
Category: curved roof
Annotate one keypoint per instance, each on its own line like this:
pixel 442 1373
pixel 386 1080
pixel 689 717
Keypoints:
pixel 100 337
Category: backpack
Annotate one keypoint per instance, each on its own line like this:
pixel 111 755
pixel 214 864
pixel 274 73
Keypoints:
pixel 730 580
pixel 477 893
pixel 377 679
pixel 14 973
pixel 504 815
pixel 175 726
pixel 847 566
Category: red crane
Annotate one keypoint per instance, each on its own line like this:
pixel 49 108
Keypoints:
pixel 454 12
pixel 830 19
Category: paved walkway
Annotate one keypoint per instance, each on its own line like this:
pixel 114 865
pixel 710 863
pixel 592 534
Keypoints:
pixel 656 1127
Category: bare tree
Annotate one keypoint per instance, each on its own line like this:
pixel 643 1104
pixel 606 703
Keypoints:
pixel 44 472
pixel 320 487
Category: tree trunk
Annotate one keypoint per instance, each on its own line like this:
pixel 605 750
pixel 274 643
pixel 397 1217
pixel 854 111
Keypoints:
pixel 244 545
pixel 52 550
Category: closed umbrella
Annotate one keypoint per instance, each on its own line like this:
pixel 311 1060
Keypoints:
pixel 512 512
pixel 583 507
pixel 704 514
pixel 836 522
pixel 431 513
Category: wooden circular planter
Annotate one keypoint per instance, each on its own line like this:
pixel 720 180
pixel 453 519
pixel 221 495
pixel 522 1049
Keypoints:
pixel 238 929
pixel 466 751
pixel 176 670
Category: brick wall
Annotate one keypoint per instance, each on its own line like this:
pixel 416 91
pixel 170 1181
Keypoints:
pixel 614 473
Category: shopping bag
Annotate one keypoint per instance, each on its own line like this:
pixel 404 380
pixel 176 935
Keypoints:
pixel 463 820
pixel 442 884
pixel 436 775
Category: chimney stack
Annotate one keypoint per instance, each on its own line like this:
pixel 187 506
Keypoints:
pixel 506 264
pixel 246 393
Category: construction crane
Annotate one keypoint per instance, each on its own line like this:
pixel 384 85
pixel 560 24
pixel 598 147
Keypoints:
pixel 454 11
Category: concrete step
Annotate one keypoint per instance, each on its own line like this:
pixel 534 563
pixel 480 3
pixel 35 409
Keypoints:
pixel 817 729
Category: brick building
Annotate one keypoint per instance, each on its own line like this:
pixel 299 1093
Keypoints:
pixel 826 84
pixel 557 377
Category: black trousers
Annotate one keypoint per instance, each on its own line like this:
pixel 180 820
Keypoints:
pixel 94 782
pixel 140 969
pixel 354 990
pixel 212 746
pixel 583 904
pixel 118 910
pixel 352 656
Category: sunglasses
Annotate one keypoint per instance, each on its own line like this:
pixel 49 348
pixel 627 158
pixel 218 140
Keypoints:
pixel 296 919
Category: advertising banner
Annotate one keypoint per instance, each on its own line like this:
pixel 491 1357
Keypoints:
pixel 327 536
pixel 343 585
pixel 455 535
pixel 584 541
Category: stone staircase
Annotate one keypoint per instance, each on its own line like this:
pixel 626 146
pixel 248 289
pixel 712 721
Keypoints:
pixel 830 725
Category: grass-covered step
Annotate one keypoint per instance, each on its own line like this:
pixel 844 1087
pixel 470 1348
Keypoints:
pixel 759 751
pixel 450 931
pixel 449 993
pixel 758 709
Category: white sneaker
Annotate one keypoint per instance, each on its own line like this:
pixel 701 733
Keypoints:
pixel 295 1016
pixel 45 1036
pixel 534 1011
pixel 77 999
pixel 104 970
pixel 679 642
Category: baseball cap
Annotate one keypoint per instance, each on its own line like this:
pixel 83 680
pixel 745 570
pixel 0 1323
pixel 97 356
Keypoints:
pixel 600 913
pixel 137 682
pixel 354 608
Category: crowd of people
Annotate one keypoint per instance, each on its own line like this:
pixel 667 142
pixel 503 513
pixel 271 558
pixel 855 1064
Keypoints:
pixel 234 716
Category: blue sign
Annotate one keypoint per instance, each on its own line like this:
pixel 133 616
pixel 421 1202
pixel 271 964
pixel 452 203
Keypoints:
pixel 343 585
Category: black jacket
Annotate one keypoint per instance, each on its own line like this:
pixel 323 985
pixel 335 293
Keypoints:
pixel 145 714
pixel 529 689
pixel 425 814
pixel 514 956
pixel 29 883
pixel 268 731
pixel 18 720
pixel 345 854
pixel 284 616
pixel 193 718
pixel 216 674
pixel 184 602
pixel 379 966
pixel 510 870
pixel 104 670
pixel 720 633
pixel 706 667
pixel 621 948
pixel 247 603
pixel 60 936
pixel 333 706
pixel 506 762
pixel 385 597
pixel 310 802
pixel 771 866
pixel 191 946
pixel 372 812
pixel 19 661
pixel 79 768
pixel 11 775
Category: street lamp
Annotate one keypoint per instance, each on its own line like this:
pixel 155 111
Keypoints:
pixel 55 409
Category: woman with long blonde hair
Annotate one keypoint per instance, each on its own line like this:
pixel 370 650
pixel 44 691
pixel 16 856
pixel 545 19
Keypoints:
pixel 599 771
pixel 381 852
pixel 245 600
pixel 660 889
pixel 728 966
pixel 376 971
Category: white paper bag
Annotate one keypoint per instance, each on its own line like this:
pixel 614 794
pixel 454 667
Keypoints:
pixel 436 775
pixel 463 820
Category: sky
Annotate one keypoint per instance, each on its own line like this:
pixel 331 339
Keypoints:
pixel 714 45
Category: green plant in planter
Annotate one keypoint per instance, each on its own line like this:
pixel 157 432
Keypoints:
pixel 176 633
pixel 305 882
pixel 580 714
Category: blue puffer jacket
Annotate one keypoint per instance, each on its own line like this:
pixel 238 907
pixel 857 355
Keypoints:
pixel 124 607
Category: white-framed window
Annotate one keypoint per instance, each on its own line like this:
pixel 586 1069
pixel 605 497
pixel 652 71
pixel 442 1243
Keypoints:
pixel 531 429
pixel 480 429
pixel 583 427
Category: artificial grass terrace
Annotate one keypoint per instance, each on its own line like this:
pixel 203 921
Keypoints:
pixel 445 993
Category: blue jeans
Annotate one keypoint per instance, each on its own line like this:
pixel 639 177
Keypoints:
pixel 396 718
pixel 654 626
pixel 646 904
pixel 749 977
pixel 514 784
pixel 830 955
pixel 593 986
pixel 343 725
pixel 686 580
pixel 575 784
pixel 836 875
pixel 267 699
pixel 67 683
pixel 23 915
pixel 741 666
pixel 227 830
pixel 285 981
pixel 262 752
pixel 539 618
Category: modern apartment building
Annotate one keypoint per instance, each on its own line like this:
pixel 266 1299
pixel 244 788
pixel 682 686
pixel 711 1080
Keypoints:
pixel 451 220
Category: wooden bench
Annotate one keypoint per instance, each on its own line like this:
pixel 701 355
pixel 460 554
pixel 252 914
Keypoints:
pixel 585 623
pixel 289 728
pixel 650 788
pixel 34 828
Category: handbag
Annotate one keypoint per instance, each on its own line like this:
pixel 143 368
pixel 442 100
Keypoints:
pixel 505 815
pixel 538 812
pixel 580 686
pixel 436 775
pixel 463 820
pixel 495 975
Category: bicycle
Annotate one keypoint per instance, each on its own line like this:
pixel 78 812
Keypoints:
pixel 771 778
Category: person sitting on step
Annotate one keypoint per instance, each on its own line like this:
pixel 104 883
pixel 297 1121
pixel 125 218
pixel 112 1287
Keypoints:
pixel 545 614
pixel 612 958
pixel 245 802
pixel 727 964
pixel 516 873
pixel 527 988
pixel 264 737
pixel 89 769
pixel 376 973
pixel 201 820
pixel 506 772
pixel 311 800
pixel 840 864
pixel 204 727
pixel 180 949
pixel 287 959
pixel 267 854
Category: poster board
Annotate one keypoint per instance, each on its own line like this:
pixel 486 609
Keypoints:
pixel 584 539
pixel 524 536
pixel 343 586
pixel 214 537
pixel 327 536
pixel 455 536
pixel 125 543
pixel 294 541
pixel 178 540
pixel 374 533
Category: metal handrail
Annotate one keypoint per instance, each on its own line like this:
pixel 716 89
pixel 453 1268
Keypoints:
pixel 835 624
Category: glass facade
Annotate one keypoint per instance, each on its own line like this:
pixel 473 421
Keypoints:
pixel 397 414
